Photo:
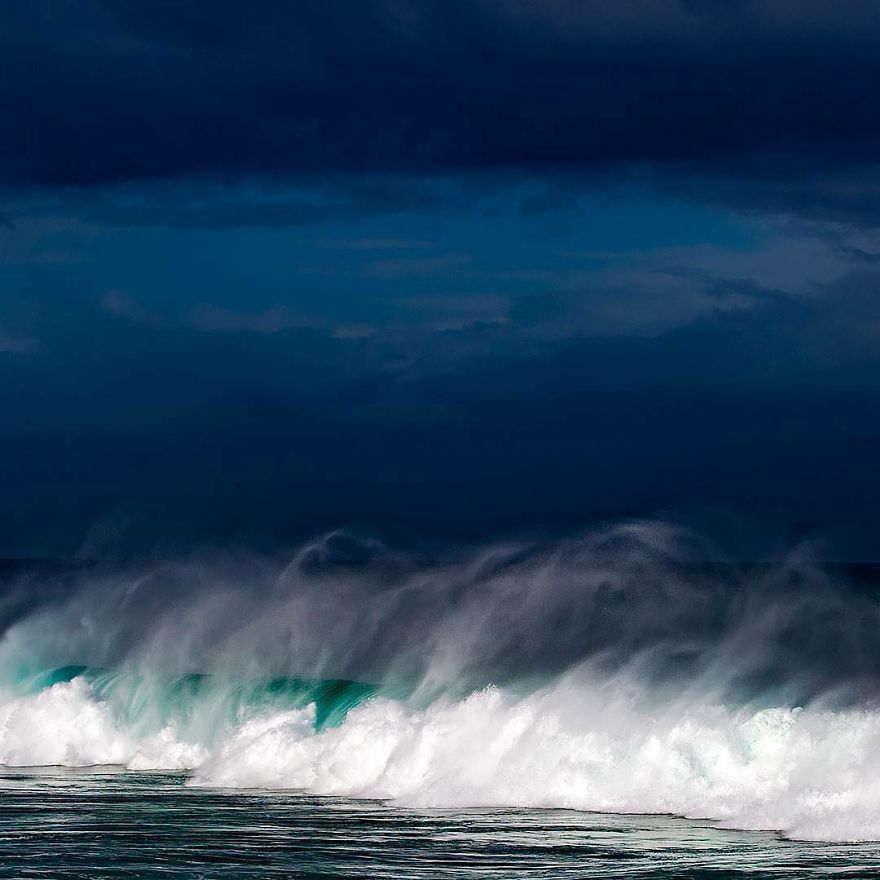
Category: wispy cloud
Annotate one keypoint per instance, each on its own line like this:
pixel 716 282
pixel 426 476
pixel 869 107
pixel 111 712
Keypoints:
pixel 17 344
pixel 214 318
pixel 372 244
pixel 123 305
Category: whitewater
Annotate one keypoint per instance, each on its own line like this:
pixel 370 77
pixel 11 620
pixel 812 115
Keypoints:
pixel 616 672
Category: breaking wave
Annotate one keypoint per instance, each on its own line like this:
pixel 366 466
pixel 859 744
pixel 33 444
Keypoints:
pixel 618 672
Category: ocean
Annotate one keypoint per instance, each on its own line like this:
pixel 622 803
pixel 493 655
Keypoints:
pixel 611 705
pixel 102 823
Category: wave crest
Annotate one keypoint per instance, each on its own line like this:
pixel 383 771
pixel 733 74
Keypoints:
pixel 617 672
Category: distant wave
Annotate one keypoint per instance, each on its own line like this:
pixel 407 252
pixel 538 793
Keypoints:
pixel 616 672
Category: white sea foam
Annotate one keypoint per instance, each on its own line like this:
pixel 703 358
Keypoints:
pixel 67 725
pixel 807 772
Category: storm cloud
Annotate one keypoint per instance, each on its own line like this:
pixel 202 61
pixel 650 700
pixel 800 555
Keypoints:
pixel 780 96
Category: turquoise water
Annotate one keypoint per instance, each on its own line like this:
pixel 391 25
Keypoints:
pixel 99 824
pixel 185 699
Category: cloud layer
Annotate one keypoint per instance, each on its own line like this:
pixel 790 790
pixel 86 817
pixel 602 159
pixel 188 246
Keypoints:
pixel 783 98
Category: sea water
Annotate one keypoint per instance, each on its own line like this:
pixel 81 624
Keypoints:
pixel 102 823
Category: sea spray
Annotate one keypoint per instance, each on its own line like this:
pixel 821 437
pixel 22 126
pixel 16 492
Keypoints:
pixel 618 671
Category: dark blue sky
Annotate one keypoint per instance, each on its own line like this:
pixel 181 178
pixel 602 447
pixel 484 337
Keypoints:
pixel 441 270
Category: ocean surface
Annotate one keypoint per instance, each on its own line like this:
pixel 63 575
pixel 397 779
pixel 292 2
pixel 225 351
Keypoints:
pixel 610 705
pixel 103 823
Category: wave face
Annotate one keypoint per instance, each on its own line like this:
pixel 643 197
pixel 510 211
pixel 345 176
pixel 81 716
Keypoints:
pixel 616 672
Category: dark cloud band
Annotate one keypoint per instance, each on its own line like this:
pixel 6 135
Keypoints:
pixel 98 92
